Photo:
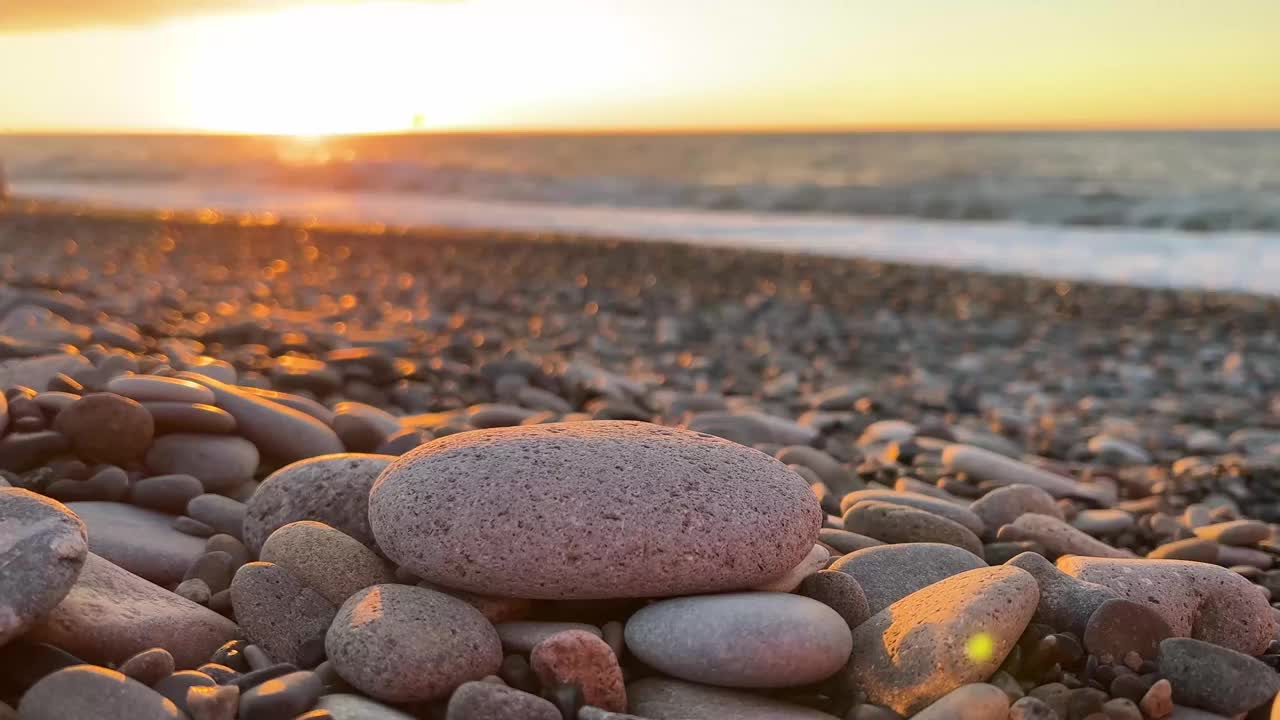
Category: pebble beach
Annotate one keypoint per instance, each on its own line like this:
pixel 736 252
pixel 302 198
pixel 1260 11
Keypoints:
pixel 261 470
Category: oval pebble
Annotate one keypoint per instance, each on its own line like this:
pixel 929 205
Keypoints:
pixel 895 523
pixel 219 462
pixel 166 493
pixel 888 573
pixel 106 428
pixel 43 545
pixel 144 388
pixel 281 615
pixel 478 700
pixel 172 417
pixel 585 661
pixel 332 563
pixel 89 691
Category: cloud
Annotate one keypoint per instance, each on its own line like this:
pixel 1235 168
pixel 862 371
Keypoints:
pixel 37 15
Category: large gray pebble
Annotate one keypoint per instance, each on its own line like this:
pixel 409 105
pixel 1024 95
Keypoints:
pixel 281 615
pixel 982 464
pixel 332 563
pixel 279 432
pixel 400 643
pixel 1006 504
pixel 332 489
pixel 895 523
pixel 87 692
pixel 746 640
pixel 42 548
pixel 219 462
pixel 888 573
pixel 593 510
pixel 1215 678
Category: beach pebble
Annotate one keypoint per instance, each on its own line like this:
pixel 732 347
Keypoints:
pixel 894 523
pixel 662 698
pixel 347 706
pixel 522 636
pixel 109 483
pixel 175 686
pixel 829 470
pixel 111 614
pixel 145 388
pixel 1112 450
pixel 36 372
pixel 280 614
pixel 888 573
pixel 221 702
pixel 193 418
pixel 753 428
pixel 1057 537
pixel 106 428
pixel 746 640
pixel 1102 522
pixel 195 590
pixel 478 700
pixel 1235 532
pixel 149 666
pixel 141 541
pixel 976 701
pixel 840 592
pixel 224 515
pixel 1214 678
pixel 43 545
pixel 1195 549
pixel 332 489
pixel 944 508
pixel 584 660
pixel 282 697
pixel 910 654
pixel 82 692
pixel 332 563
pixel 1031 708
pixel 166 493
pixel 363 428
pixel 405 644
pixel 1198 600
pixel 844 542
pixel 1120 626
pixel 279 432
pixel 22 451
pixel 1066 603
pixel 887 431
pixel 1157 702
pixel 219 462
pixel 991 467
pixel 612 509
pixel 816 560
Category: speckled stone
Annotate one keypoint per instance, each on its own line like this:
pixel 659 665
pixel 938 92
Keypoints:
pixel 478 700
pixel 522 636
pixel 1198 600
pixel 43 545
pixel 840 592
pixel 284 617
pixel 106 428
pixel 1215 678
pixel 949 510
pixel 976 701
pixel 1057 537
pixel 1066 603
pixel 608 509
pixel 279 432
pixel 332 489
pixel 746 640
pixel 909 655
pixel 112 614
pixel 1121 626
pixel 662 698
pixel 219 462
pixel 149 666
pixel 82 692
pixel 888 573
pixel 139 540
pixel 332 563
pixel 583 660
pixel 400 643
pixel 901 524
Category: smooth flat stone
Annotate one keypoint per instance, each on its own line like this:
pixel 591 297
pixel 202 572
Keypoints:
pixel 1198 600
pixel 139 540
pixel 154 388
pixel 36 372
pixel 332 489
pixel 219 462
pixel 895 523
pixel 1102 522
pixel 1058 537
pixel 1214 678
pixel 176 417
pixel 42 548
pixel 278 431
pixel 746 640
pixel 82 692
pixel 1235 532
pixel 112 614
pixel 661 698
pixel 753 428
pixel 908 655
pixel 888 573
pixel 643 510
pixel 846 542
pixel 400 643
pixel 945 508
pixel 1195 549
pixel 1000 470
pixel 286 696
pixel 166 493
pixel 837 477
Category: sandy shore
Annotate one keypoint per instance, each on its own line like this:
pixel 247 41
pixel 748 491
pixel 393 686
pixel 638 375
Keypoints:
pixel 955 477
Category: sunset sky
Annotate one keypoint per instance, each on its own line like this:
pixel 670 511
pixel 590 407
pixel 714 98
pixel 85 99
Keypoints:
pixel 322 67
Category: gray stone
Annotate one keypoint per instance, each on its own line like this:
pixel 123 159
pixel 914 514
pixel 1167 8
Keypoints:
pixel 665 699
pixel 746 640
pixel 332 489
pixel 522 636
pixel 83 692
pixel 911 654
pixel 477 700
pixel 139 540
pixel 36 372
pixel 991 467
pixel 112 614
pixel 1198 600
pixel 840 592
pixel 42 548
pixel 221 702
pixel 406 644
pixel 1235 532
pixel 944 508
pixel 219 512
pixel 332 563
pixel 753 428
pixel 1194 549
pixel 1215 678
pixel 976 701
pixel 1066 603
pixel 282 697
pixel 1031 708
pixel 363 428
pixel 145 388
pixel 1119 627
pixel 1057 537
pixel 166 493
pixel 149 666
pixel 845 542
pixel 895 523
pixel 175 686
pixel 1102 522
pixel 609 509
pixel 888 573
pixel 279 432
pixel 174 417
pixel 109 483
pixel 281 615
pixel 834 475
pixel 219 462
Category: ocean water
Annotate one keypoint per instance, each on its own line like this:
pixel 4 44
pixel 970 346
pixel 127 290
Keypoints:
pixel 1159 208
